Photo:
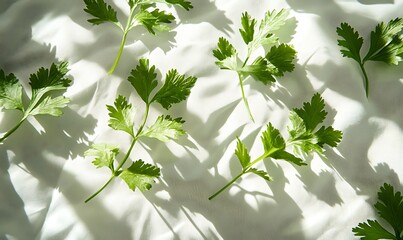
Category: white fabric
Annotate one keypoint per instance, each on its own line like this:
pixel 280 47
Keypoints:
pixel 45 179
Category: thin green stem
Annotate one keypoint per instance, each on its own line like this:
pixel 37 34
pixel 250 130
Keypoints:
pixel 100 190
pixel 128 27
pixel 245 100
pixel 117 171
pixel 12 130
pixel 227 185
pixel 366 82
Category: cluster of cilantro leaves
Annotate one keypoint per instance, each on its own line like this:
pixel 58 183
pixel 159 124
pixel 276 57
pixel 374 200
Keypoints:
pixel 390 209
pixel 142 12
pixel 305 137
pixel 47 85
pixel 143 78
pixel 386 45
pixel 276 61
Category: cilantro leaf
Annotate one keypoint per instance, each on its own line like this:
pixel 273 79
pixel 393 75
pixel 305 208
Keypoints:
pixel 272 21
pixel 143 79
pixel 43 83
pixel 272 140
pixel 390 208
pixel 183 3
pixel 175 89
pixel 224 50
pixel 154 20
pixel 165 128
pixel 242 153
pixel 312 113
pixel 142 12
pixel 372 231
pixel 264 68
pixel 10 92
pixel 140 175
pixel 248 25
pixel 261 174
pixel 101 12
pixel 282 58
pixel 304 121
pixel 51 106
pixel 302 137
pixel 352 42
pixel 386 42
pixel 121 115
pixel 260 70
pixel 105 155
pixel 386 45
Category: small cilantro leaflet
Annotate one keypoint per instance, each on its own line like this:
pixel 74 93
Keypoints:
pixel 390 208
pixel 140 14
pixel 176 88
pixel 140 175
pixel 165 129
pixel 386 45
pixel 44 83
pixel 264 68
pixel 121 115
pixel 301 138
pixel 144 80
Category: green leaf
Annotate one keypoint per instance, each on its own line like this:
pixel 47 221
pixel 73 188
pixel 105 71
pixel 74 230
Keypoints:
pixel 329 136
pixel 155 20
pixel 272 21
pixel 242 153
pixel 351 42
pixel 272 140
pixel 105 155
pixel 175 89
pixel 121 115
pixel 224 50
pixel 183 3
pixel 390 207
pixel 288 157
pixel 45 81
pixel 261 70
pixel 140 175
pixel 386 42
pixel 51 106
pixel 165 128
pixel 10 92
pixel 282 58
pixel 101 12
pixel 143 79
pixel 372 231
pixel 248 25
pixel 312 113
pixel 261 174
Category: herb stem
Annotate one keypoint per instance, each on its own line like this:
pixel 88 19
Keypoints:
pixel 227 185
pixel 100 190
pixel 366 82
pixel 11 130
pixel 128 27
pixel 245 100
pixel 117 171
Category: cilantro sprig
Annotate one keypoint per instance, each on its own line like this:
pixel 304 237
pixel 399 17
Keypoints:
pixel 46 87
pixel 305 137
pixel 276 61
pixel 386 45
pixel 143 78
pixel 390 209
pixel 142 12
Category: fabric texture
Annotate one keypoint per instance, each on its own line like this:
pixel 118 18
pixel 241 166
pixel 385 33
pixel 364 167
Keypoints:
pixel 45 178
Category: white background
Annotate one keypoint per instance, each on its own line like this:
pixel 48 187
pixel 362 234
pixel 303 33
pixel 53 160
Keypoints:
pixel 44 178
